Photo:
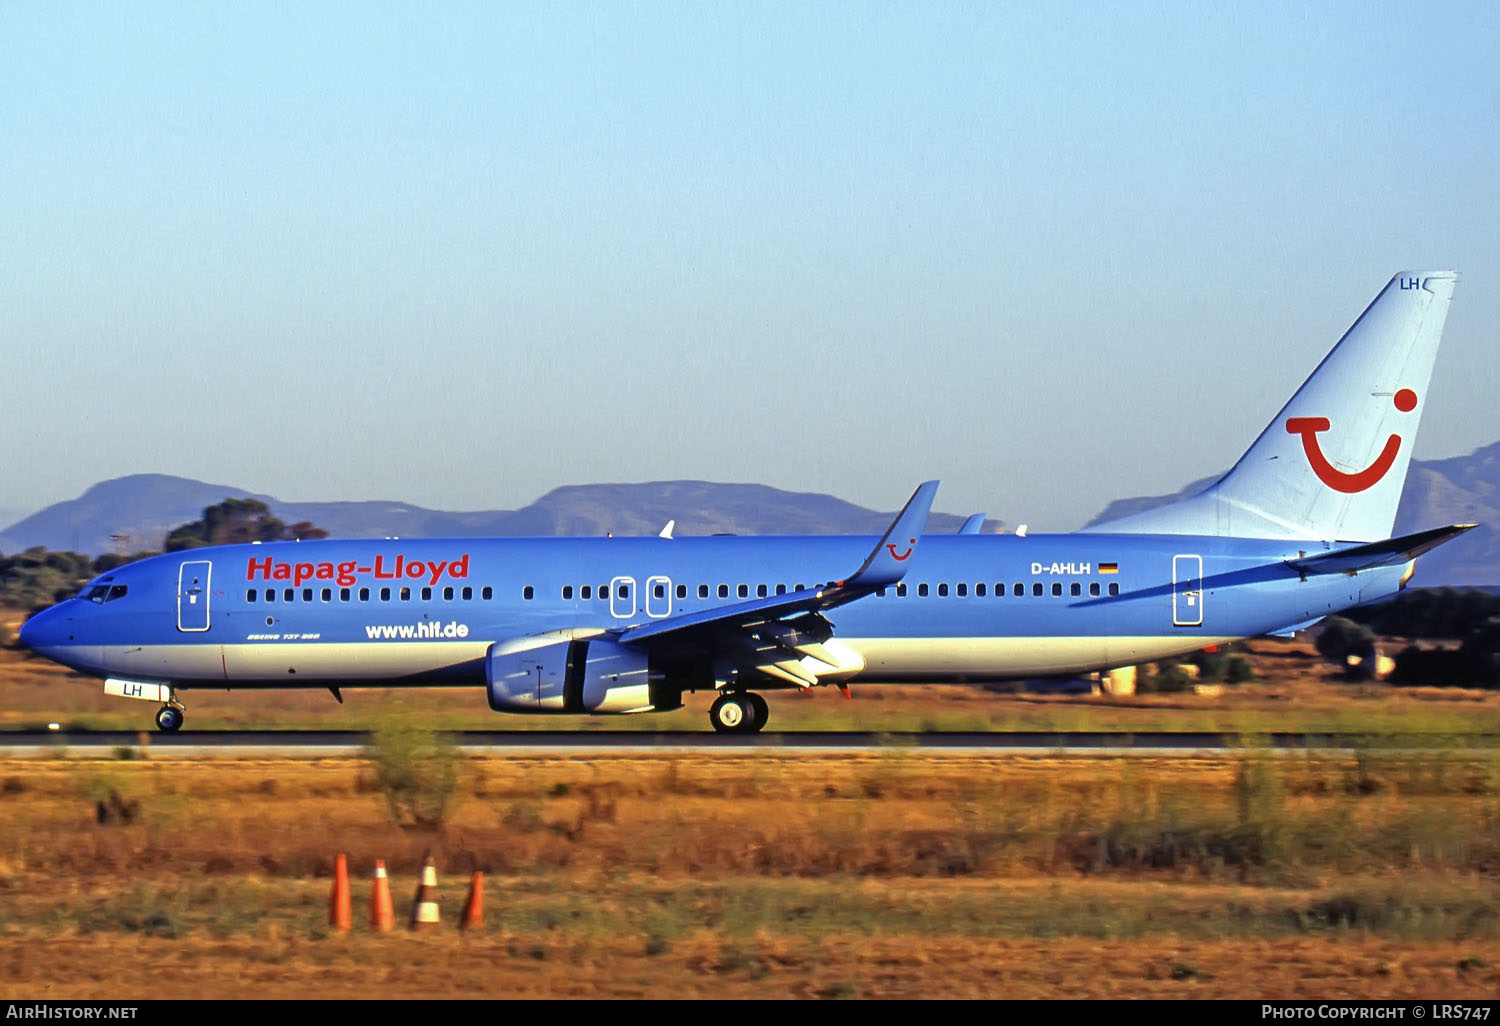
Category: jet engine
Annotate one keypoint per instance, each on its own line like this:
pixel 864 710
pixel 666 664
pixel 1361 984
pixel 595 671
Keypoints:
pixel 569 674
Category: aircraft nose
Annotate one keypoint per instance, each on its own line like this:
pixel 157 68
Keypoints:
pixel 39 631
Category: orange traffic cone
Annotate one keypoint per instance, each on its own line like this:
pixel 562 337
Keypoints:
pixel 382 912
pixel 473 915
pixel 340 916
pixel 424 908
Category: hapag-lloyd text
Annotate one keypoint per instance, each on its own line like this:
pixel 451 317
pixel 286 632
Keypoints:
pixel 347 573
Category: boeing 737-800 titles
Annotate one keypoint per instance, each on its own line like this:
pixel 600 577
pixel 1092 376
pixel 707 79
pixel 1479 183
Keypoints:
pixel 1298 529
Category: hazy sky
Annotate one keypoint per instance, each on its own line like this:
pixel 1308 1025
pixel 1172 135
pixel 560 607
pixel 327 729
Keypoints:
pixel 461 254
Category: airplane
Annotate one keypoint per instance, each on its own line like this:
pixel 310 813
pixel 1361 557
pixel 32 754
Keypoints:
pixel 1299 528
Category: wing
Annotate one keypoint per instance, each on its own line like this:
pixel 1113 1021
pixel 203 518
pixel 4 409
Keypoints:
pixel 772 635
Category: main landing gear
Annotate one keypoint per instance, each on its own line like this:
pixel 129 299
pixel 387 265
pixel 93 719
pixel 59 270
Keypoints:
pixel 741 712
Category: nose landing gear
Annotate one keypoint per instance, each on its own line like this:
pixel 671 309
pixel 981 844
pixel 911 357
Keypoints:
pixel 741 712
pixel 169 717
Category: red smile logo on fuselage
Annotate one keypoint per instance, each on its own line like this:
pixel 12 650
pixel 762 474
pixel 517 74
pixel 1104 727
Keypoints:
pixel 901 558
pixel 1308 427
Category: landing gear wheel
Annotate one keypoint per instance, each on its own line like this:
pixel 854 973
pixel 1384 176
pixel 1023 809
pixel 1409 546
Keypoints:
pixel 726 714
pixel 738 714
pixel 168 718
pixel 762 710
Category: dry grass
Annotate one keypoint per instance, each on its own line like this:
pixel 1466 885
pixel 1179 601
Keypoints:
pixel 771 872
pixel 768 873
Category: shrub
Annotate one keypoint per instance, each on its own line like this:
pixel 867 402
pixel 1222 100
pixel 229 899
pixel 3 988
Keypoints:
pixel 416 768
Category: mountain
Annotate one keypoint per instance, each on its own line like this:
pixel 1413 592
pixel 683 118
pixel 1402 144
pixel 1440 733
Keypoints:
pixel 1459 490
pixel 136 512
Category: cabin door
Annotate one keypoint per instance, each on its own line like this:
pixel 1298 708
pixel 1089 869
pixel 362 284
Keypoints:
pixel 1187 591
pixel 192 595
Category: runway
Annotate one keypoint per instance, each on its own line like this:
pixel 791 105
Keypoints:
pixel 313 744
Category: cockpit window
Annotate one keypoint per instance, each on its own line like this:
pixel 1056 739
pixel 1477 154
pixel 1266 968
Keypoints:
pixel 102 593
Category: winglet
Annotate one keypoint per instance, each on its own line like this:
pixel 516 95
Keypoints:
pixel 974 524
pixel 887 563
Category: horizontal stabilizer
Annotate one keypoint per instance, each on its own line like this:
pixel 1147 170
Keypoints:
pixel 1391 552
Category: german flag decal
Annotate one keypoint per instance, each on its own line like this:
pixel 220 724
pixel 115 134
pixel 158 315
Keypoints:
pixel 1109 568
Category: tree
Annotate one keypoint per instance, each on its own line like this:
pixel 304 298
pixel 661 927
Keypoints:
pixel 1349 646
pixel 236 521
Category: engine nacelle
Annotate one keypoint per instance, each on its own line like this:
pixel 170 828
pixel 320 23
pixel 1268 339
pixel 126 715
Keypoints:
pixel 563 673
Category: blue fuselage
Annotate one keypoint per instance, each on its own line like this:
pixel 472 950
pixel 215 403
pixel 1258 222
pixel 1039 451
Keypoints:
pixel 970 607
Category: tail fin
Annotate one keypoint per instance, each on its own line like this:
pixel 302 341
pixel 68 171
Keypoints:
pixel 1332 464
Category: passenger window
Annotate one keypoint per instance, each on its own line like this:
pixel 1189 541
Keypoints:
pixel 901 590
pixel 659 591
pixel 343 594
pixel 306 594
pixel 405 595
pixel 963 589
pixel 703 591
pixel 364 594
pixel 426 594
pixel 743 591
pixel 682 591
pixel 880 592
pixel 1019 589
pixel 1077 589
pixel 1057 589
pixel 488 593
pixel 585 592
pixel 979 590
pixel 623 591
pixel 922 590
pixel 943 590
pixel 604 591
pixel 467 593
pixel 385 594
pixel 781 589
pixel 327 595
pixel 760 591
pixel 289 595
pixel 527 592
pixel 723 591
pixel 448 594
pixel 250 595
pixel 1094 588
pixel 567 591
pixel 1036 589
pixel 1114 588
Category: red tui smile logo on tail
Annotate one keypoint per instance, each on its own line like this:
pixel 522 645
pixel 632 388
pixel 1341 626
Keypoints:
pixel 1308 427
pixel 903 556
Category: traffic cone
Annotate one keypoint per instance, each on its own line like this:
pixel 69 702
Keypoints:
pixel 382 912
pixel 424 908
pixel 473 915
pixel 340 916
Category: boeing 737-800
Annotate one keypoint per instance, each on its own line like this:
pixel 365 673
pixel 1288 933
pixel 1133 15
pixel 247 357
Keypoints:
pixel 1299 528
